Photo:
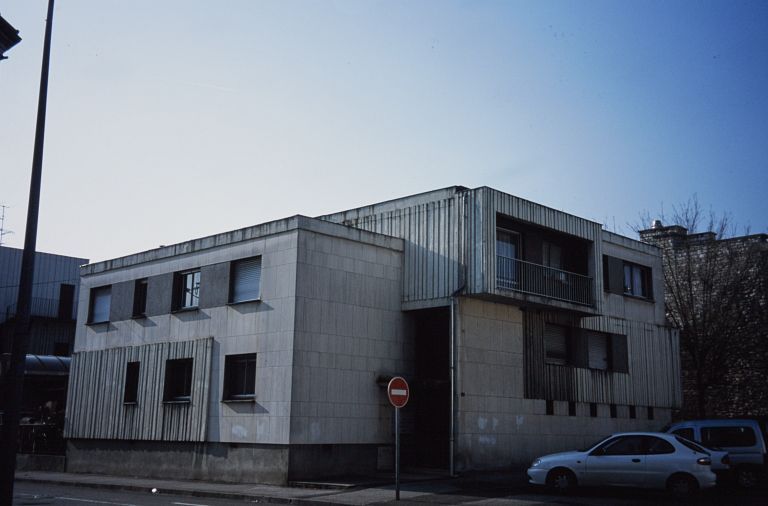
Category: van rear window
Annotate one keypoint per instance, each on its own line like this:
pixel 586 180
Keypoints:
pixel 728 436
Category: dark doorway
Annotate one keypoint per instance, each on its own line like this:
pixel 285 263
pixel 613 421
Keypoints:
pixel 431 389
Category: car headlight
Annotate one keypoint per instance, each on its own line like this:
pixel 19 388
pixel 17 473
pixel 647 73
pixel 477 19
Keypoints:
pixel 536 463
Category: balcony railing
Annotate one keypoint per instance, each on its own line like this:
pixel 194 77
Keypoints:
pixel 521 276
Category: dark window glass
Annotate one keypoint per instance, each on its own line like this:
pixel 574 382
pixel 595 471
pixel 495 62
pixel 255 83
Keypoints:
pixel 613 411
pixel 66 301
pixel 507 255
pixel 632 412
pixel 625 445
pixel 593 409
pixel 686 433
pixel 550 407
pixel 658 446
pixel 650 412
pixel 728 436
pixel 556 344
pixel 246 277
pixel 140 297
pixel 131 393
pixel 240 377
pixel 101 299
pixel 178 380
pixel 571 408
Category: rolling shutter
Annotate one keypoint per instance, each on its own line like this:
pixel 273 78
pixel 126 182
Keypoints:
pixel 246 279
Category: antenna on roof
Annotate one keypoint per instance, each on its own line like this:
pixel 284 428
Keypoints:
pixel 3 231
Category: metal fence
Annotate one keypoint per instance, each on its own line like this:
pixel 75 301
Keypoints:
pixel 521 276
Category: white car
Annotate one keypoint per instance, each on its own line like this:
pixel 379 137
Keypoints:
pixel 631 459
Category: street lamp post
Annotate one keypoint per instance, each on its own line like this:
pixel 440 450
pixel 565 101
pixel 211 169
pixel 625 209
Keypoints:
pixel 14 377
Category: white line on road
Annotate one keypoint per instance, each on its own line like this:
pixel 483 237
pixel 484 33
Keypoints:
pixel 188 504
pixel 92 501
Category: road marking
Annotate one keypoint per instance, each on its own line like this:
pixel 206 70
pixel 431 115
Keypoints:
pixel 188 504
pixel 92 501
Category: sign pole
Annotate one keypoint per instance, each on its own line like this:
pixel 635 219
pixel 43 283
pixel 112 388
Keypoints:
pixel 397 454
pixel 398 393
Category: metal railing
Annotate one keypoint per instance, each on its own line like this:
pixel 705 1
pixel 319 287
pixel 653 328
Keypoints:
pixel 521 276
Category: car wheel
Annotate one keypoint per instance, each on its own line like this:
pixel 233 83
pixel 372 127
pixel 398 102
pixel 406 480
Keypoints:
pixel 746 477
pixel 682 485
pixel 561 480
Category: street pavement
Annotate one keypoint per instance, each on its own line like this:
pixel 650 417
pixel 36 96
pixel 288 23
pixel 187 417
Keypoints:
pixel 499 488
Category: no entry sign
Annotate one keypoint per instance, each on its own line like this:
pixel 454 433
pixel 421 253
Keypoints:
pixel 398 392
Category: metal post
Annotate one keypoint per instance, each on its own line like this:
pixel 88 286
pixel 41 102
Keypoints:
pixel 14 377
pixel 397 454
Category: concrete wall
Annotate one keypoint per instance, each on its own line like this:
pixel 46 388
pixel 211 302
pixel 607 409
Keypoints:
pixel 236 463
pixel 349 331
pixel 497 426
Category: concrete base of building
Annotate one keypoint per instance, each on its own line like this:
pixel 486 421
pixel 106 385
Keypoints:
pixel 30 462
pixel 223 462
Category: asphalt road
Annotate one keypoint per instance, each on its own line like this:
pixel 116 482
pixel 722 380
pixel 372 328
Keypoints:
pixel 48 494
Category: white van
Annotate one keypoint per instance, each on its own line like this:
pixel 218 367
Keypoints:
pixel 744 441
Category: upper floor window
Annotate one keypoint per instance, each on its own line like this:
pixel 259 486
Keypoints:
pixel 140 297
pixel 131 390
pixel 556 344
pixel 178 380
pixel 245 280
pixel 187 290
pixel 101 299
pixel 637 280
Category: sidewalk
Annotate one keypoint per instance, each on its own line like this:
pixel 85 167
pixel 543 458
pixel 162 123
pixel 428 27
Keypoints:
pixel 357 491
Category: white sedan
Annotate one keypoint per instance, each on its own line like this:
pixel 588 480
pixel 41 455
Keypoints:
pixel 631 459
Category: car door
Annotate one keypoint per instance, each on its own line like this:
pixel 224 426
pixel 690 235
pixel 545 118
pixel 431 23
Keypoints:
pixel 618 461
pixel 660 461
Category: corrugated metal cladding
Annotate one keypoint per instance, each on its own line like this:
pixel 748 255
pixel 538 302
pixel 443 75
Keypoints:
pixel 654 368
pixel 431 231
pixel 95 408
pixel 485 203
pixel 51 271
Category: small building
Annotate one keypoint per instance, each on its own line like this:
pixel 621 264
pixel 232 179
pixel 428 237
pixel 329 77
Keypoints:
pixel 261 354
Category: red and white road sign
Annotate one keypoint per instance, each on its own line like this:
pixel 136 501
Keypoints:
pixel 398 392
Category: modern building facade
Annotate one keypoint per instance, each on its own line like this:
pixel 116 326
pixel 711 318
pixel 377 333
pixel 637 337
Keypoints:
pixel 262 354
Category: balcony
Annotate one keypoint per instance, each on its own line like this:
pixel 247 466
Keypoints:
pixel 527 277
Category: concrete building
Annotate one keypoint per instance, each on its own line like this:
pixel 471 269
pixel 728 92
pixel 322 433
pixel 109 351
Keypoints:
pixel 262 354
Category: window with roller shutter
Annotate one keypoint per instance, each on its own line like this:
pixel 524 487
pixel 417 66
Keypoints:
pixel 245 280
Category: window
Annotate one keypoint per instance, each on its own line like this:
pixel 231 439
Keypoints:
pixel 598 350
pixel 614 413
pixel 550 407
pixel 650 412
pixel 637 280
pixel 187 290
pixel 140 297
pixel 658 446
pixel 556 344
pixel 131 393
pixel 101 298
pixel 66 301
pixel 246 277
pixel 687 433
pixel 178 380
pixel 240 377
pixel 623 445
pixel 632 412
pixel 593 409
pixel 728 436
pixel 507 253
pixel 571 408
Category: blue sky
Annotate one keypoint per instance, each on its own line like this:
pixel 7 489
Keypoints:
pixel 178 119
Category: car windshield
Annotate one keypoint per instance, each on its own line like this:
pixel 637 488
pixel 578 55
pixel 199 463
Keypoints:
pixel 690 444
pixel 593 444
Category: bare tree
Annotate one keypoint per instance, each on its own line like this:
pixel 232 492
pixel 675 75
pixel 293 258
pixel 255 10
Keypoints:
pixel 715 294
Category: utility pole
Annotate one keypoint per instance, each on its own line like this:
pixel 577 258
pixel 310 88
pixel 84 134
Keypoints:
pixel 14 377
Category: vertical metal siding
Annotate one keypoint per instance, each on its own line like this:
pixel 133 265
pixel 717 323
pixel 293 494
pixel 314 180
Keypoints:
pixel 95 408
pixel 654 368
